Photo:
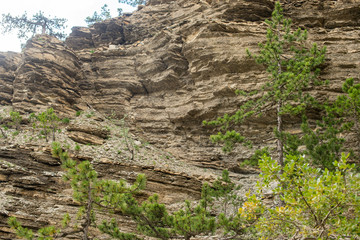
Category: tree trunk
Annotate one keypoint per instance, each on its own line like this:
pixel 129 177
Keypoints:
pixel 54 129
pixel 280 144
pixel 43 28
pixel 46 135
pixel 280 147
pixel 88 215
pixel 3 133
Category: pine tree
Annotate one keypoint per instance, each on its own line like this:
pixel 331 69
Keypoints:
pixel 104 14
pixel 154 220
pixel 46 233
pixel 1 128
pixel 91 192
pixel 49 122
pixel 347 106
pixel 30 25
pixel 292 68
pixel 16 119
pixel 325 141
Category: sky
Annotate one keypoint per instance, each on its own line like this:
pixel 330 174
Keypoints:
pixel 73 10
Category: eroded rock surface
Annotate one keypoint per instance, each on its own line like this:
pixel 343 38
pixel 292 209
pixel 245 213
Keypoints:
pixel 186 69
pixel 168 66
pixel 8 64
pixel 46 77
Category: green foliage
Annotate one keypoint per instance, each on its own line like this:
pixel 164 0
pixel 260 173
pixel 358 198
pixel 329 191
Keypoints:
pixel 323 144
pixel 347 107
pixel 229 221
pixel 33 120
pixel 91 192
pixel 292 68
pixel 48 122
pixel 66 120
pixel 15 133
pixel 317 204
pixel 29 25
pixel 241 223
pixel 20 231
pixel 78 113
pixel 225 190
pixel 104 14
pixel 324 141
pixel 254 159
pixel 112 229
pixel 16 119
pixel 129 142
pixel 46 233
pixel 2 128
pixel 153 219
pixel 192 221
pixel 77 147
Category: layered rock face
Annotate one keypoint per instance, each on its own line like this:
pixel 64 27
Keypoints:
pixel 8 64
pixel 173 64
pixel 45 77
pixel 32 188
pixel 167 67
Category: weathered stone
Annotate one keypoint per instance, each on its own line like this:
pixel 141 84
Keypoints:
pixel 171 65
pixel 35 193
pixel 85 138
pixel 92 130
pixel 45 158
pixel 47 77
pixel 8 64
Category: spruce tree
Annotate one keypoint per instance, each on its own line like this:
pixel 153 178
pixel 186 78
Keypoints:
pixel 292 68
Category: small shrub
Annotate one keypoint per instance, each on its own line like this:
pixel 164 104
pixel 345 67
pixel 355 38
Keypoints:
pixel 136 147
pixel 254 159
pixel 77 147
pixel 66 120
pixel 323 204
pixel 16 119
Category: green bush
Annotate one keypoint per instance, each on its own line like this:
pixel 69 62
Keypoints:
pixel 315 203
pixel 77 147
pixel 66 120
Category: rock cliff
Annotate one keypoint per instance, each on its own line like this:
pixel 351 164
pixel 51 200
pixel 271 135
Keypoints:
pixel 167 67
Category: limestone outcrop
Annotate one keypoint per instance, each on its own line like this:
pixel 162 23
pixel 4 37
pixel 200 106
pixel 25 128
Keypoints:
pixel 166 67
pixel 182 61
pixel 46 77
pixel 8 64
